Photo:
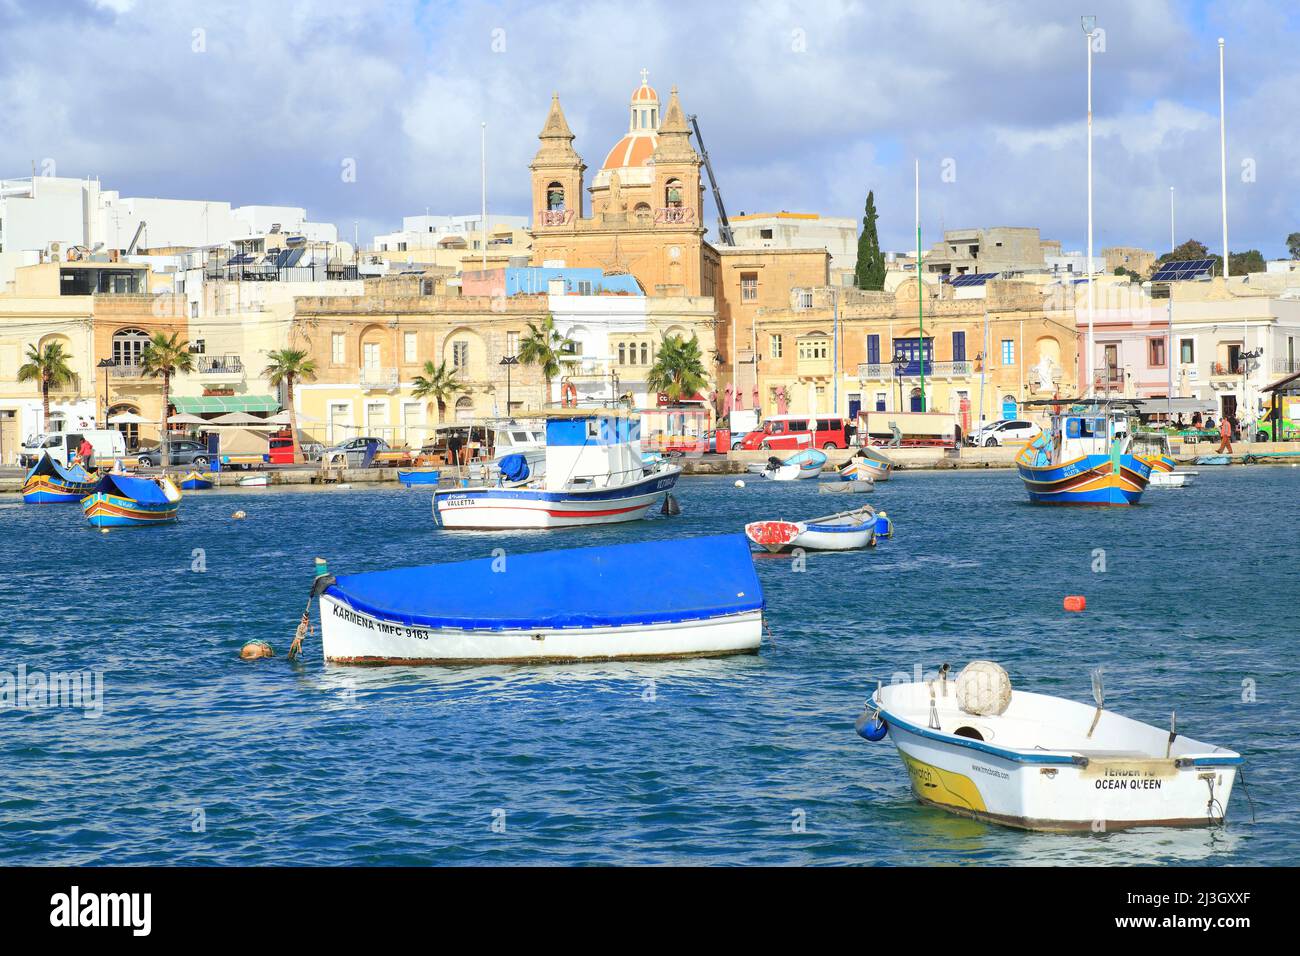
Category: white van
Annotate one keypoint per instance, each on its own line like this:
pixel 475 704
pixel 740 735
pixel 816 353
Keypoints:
pixel 62 446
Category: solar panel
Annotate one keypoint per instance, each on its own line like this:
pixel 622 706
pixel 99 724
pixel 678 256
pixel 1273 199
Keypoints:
pixel 977 278
pixel 1183 270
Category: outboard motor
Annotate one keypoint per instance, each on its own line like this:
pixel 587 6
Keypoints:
pixel 774 462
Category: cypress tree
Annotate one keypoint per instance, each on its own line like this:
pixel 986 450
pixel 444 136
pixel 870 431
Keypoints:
pixel 870 271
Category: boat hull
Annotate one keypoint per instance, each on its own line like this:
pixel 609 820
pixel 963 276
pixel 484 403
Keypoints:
pixel 349 636
pixel 1097 480
pixel 104 510
pixel 410 478
pixel 526 508
pixel 1104 795
pixel 194 482
pixel 865 468
pixel 1167 479
pixel 48 490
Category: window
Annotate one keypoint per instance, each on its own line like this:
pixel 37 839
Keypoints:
pixel 645 354
pixel 774 346
pixel 336 348
pixel 408 347
pixel 805 300
pixel 748 286
pixel 198 347
pixel 512 343
pixel 814 349
pixel 194 310
pixel 1156 353
pixel 426 286
pixel 1008 351
pixel 1187 351
pixel 622 353
pixel 880 401
pixel 873 351
pixel 370 355
pixel 765 233
pixel 129 346
pixel 959 346
pixel 584 287
pixel 459 354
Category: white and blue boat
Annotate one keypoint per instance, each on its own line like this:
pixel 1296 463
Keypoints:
pixel 51 483
pixel 843 531
pixel 692 597
pixel 593 474
pixel 801 465
pixel 866 466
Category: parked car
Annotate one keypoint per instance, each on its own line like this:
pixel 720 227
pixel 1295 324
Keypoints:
pixel 182 451
pixel 355 449
pixel 1013 431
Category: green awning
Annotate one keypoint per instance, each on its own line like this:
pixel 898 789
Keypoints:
pixel 220 404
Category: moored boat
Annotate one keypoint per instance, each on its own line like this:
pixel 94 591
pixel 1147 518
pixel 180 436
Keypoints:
pixel 414 477
pixel 844 531
pixel 593 474
pixel 692 597
pixel 126 500
pixel 1085 459
pixel 48 482
pixel 976 747
pixel 254 481
pixel 801 465
pixel 194 481
pixel 866 466
pixel 1213 460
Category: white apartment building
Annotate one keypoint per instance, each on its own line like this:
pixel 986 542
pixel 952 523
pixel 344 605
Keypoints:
pixel 794 230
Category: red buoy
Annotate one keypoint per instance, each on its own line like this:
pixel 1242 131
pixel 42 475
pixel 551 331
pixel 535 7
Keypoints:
pixel 1075 602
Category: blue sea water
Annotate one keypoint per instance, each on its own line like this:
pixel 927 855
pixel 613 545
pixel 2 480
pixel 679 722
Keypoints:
pixel 199 758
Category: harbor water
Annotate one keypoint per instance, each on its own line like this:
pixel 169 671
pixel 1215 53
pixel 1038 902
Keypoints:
pixel 199 758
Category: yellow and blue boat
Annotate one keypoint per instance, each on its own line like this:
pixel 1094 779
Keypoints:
pixel 51 483
pixel 1086 459
pixel 119 501
pixel 195 482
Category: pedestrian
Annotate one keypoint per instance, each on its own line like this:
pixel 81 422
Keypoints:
pixel 1225 435
pixel 86 452
pixel 454 443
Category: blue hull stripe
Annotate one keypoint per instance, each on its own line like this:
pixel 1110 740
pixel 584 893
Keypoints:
pixel 653 484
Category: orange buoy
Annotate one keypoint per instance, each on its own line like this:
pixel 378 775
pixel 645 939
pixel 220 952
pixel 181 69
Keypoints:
pixel 1075 602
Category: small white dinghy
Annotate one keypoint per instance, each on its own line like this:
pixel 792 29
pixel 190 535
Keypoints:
pixel 844 531
pixel 1167 479
pixel 801 465
pixel 254 481
pixel 976 748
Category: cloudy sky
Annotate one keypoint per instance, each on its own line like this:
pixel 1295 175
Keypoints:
pixel 804 105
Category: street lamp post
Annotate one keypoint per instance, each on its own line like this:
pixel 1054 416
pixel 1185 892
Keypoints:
pixel 900 366
pixel 106 364
pixel 1089 29
pixel 508 361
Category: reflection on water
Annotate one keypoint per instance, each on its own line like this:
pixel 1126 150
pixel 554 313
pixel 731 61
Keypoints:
pixel 695 761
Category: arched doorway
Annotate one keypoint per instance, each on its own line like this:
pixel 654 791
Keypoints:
pixel 130 430
pixel 915 404
pixel 464 409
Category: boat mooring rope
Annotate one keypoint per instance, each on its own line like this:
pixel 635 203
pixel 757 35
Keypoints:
pixel 319 585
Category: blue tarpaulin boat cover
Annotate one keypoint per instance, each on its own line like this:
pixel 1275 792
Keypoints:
pixel 614 585
pixel 514 467
pixel 46 465
pixel 143 490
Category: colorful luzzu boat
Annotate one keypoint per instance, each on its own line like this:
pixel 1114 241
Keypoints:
pixel 51 483
pixel 119 501
pixel 1084 460
pixel 682 597
pixel 977 748
pixel 861 466
pixel 195 482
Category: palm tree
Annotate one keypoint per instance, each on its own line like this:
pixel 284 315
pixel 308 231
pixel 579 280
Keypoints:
pixel 289 366
pixel 163 357
pixel 438 383
pixel 679 370
pixel 545 347
pixel 50 367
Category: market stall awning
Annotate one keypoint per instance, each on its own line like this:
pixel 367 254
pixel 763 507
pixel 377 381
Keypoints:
pixel 220 404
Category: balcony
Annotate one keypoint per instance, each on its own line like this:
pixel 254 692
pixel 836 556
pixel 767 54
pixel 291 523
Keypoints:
pixel 1283 366
pixel 884 371
pixel 1222 369
pixel 219 368
pixel 127 370
pixel 1108 382
pixel 378 379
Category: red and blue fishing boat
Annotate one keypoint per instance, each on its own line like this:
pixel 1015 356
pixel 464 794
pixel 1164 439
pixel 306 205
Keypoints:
pixel 51 483
pixel 119 501
pixel 1086 459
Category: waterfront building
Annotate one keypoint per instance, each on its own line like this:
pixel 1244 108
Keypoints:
pixel 838 351
pixel 99 311
pixel 1000 249
pixel 453 241
pixel 802 230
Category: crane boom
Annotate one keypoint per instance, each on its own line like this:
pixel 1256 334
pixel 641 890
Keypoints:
pixel 724 227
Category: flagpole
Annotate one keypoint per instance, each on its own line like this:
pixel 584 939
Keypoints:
pixel 483 178
pixel 920 310
pixel 1091 348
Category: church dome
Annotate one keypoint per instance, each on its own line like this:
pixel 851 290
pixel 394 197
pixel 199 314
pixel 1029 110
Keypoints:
pixel 636 148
